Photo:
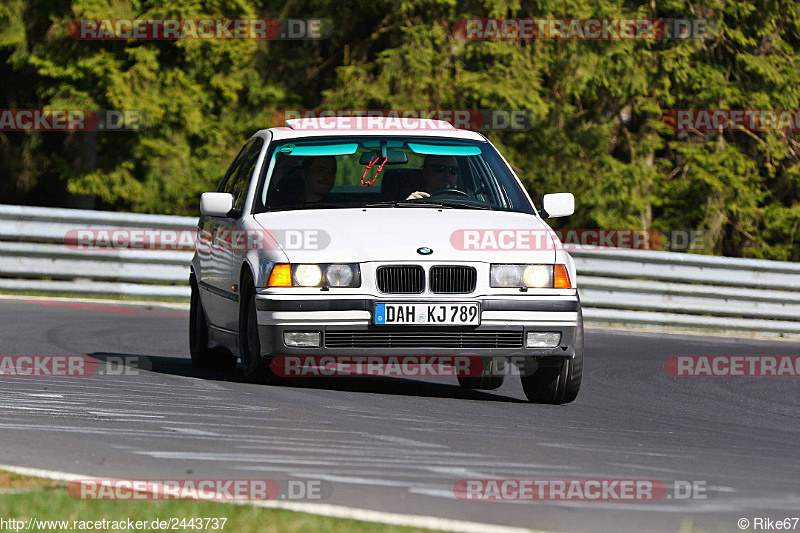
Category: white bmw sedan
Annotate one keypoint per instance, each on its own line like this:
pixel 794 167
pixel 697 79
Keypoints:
pixel 407 238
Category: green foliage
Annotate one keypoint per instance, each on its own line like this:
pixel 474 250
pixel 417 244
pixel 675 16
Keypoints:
pixel 599 106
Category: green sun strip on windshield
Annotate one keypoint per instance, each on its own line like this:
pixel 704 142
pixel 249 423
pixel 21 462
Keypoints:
pixel 319 150
pixel 442 149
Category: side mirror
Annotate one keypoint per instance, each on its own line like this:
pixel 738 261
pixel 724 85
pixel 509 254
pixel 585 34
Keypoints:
pixel 560 204
pixel 216 204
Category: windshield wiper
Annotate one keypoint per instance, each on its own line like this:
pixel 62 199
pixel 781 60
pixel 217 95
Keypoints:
pixel 452 204
pixel 320 205
pixel 407 204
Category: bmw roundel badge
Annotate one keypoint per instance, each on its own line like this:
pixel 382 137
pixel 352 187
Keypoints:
pixel 424 251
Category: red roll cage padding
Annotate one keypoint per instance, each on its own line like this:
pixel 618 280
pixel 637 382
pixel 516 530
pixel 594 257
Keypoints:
pixel 372 161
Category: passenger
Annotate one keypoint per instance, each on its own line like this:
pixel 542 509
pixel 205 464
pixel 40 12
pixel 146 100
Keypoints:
pixel 308 183
pixel 319 175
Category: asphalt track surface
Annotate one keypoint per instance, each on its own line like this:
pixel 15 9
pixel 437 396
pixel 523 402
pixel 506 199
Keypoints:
pixel 399 445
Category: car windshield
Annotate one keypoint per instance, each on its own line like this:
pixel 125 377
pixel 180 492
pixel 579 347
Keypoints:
pixel 387 172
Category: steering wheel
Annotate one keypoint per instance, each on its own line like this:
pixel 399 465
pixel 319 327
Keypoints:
pixel 457 192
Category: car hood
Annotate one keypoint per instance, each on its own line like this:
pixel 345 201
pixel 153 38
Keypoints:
pixel 396 234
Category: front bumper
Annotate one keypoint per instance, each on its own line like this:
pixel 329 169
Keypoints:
pixel 354 316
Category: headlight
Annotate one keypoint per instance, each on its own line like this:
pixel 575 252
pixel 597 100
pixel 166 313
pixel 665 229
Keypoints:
pixel 310 275
pixel 535 276
pixel 307 275
pixel 506 276
pixel 339 275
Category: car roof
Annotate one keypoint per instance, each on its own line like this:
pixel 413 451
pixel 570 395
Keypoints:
pixel 361 126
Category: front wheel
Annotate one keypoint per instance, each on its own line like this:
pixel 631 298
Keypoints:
pixel 202 355
pixel 561 382
pixel 256 368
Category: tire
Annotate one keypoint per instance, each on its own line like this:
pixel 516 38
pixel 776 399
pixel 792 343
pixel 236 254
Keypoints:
pixel 491 378
pixel 202 355
pixel 256 368
pixel 560 383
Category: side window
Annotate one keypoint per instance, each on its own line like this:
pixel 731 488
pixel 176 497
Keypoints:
pixel 227 181
pixel 244 173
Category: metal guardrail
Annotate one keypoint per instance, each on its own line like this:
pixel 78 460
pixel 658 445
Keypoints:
pixel 621 287
pixel 34 257
pixel 667 289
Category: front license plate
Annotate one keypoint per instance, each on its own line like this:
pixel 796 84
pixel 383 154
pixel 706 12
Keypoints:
pixel 441 314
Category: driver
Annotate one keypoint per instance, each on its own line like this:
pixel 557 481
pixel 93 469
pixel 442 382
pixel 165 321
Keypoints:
pixel 440 172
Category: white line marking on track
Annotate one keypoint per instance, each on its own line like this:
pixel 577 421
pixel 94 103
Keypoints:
pixel 131 303
pixel 410 442
pixel 190 431
pixel 122 413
